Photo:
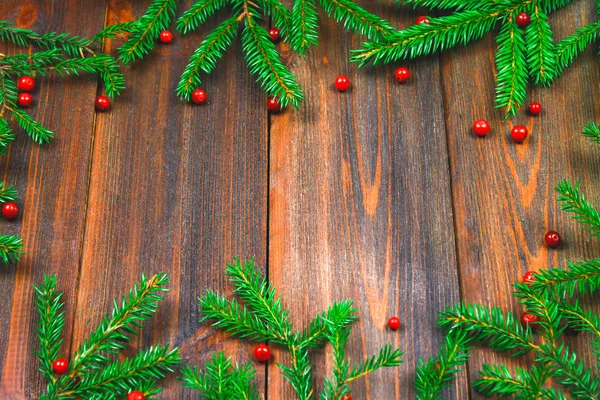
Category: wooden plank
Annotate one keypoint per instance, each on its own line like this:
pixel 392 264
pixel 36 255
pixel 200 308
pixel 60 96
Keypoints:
pixel 504 197
pixel 360 207
pixel 176 188
pixel 52 183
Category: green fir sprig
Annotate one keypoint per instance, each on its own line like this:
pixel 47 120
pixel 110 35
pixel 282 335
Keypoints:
pixel 261 317
pixel 94 370
pixel 11 247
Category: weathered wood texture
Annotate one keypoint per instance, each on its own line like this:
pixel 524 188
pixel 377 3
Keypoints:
pixel 503 193
pixel 360 207
pixel 52 183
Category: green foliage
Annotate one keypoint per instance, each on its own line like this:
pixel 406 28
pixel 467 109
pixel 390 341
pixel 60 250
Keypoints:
pixel 574 202
pixel 93 373
pixel 262 317
pixel 511 88
pixel 541 56
pixel 573 45
pixel 592 132
pixel 10 246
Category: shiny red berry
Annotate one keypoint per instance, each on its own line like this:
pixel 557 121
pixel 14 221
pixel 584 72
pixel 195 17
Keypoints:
pixel 523 19
pixel 102 103
pixel 394 323
pixel 552 239
pixel 198 96
pixel 136 395
pixel 481 127
pixel 60 366
pixel 262 353
pixel 529 319
pixel 273 105
pixel 529 277
pixel 402 74
pixel 422 20
pixel 342 83
pixel 346 397
pixel 25 99
pixel 10 210
pixel 275 34
pixel 535 108
pixel 166 37
pixel 26 83
pixel 519 133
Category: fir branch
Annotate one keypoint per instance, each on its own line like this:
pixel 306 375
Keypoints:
pixel 299 375
pixel 280 15
pixel 31 64
pixel 303 33
pixel 573 45
pixel 144 34
pixel 498 381
pixel 592 131
pixel 337 386
pixel 387 357
pixel 264 62
pixel 539 303
pixel 10 249
pixel 573 201
pixel 583 276
pixel 8 193
pixel 437 373
pixel 114 30
pixel 501 332
pixel 103 64
pixel 356 19
pixel 34 129
pixel 451 4
pixel 582 320
pixel 540 47
pixel 339 314
pixel 205 57
pixel 198 14
pixel 6 136
pixel 52 322
pixel 511 77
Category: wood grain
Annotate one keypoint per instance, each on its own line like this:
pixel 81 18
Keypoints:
pixel 360 207
pixel 504 197
pixel 177 188
pixel 52 184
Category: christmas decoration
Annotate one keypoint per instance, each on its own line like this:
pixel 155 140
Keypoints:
pixel 10 246
pixel 342 83
pixel 394 323
pixel 198 96
pixel 551 309
pixel 166 37
pixel 262 353
pixel 102 103
pixel 519 133
pixel 261 317
pixel 522 54
pixel 552 239
pixel 92 371
pixel 481 127
pixel 402 74
pixel 53 52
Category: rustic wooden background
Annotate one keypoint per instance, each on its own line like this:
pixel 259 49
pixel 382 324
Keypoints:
pixel 381 194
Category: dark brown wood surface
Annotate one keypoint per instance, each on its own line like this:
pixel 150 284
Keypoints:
pixel 381 195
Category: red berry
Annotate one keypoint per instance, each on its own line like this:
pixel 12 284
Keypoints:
pixel 422 20
pixel 523 19
pixel 342 83
pixel 519 133
pixel 346 397
pixel 166 37
pixel 10 210
pixel 552 239
pixel 529 277
pixel 262 353
pixel 136 395
pixel 437 366
pixel 273 105
pixel 481 127
pixel 275 34
pixel 394 323
pixel 198 96
pixel 25 99
pixel 535 108
pixel 529 319
pixel 26 83
pixel 402 74
pixel 102 103
pixel 60 366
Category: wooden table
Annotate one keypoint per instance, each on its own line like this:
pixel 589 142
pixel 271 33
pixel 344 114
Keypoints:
pixel 381 195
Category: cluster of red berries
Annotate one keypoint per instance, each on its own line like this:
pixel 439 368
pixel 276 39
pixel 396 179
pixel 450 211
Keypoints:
pixel 518 133
pixel 25 85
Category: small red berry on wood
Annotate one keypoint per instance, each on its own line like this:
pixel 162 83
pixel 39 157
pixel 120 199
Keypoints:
pixel 535 108
pixel 26 83
pixel 25 99
pixel 519 133
pixel 342 83
pixel 136 395
pixel 394 323
pixel 10 210
pixel 275 34
pixel 529 319
pixel 481 127
pixel 102 103
pixel 422 20
pixel 529 277
pixel 273 105
pixel 262 353
pixel 198 96
pixel 346 397
pixel 523 19
pixel 402 74
pixel 552 239
pixel 166 37
pixel 60 366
